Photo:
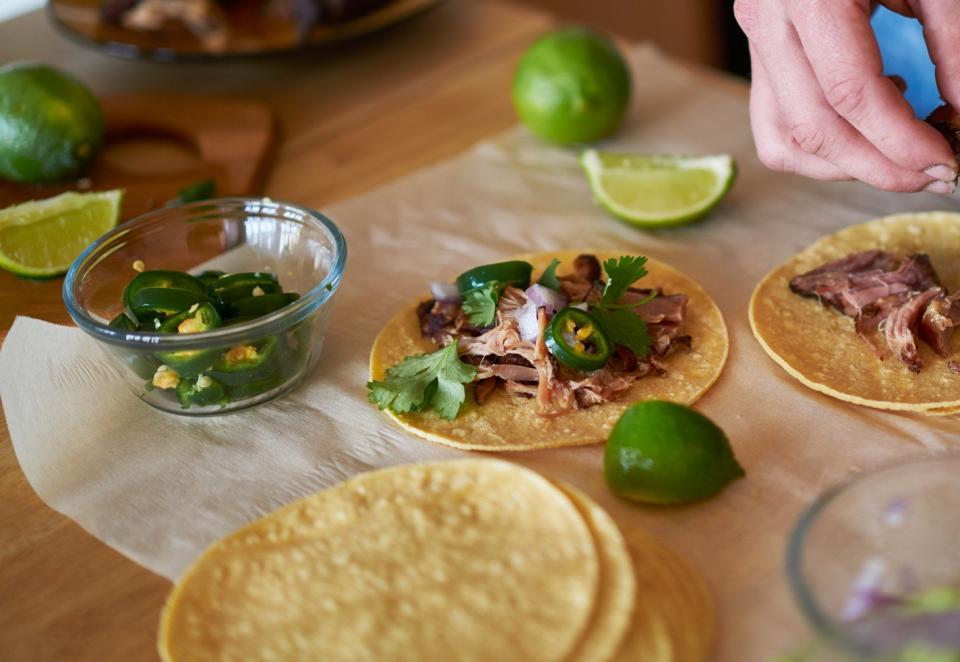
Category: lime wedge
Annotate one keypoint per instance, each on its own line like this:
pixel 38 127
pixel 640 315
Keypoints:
pixel 663 452
pixel 42 238
pixel 652 190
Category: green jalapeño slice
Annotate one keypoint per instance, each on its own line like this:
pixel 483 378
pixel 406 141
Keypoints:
pixel 246 363
pixel 146 293
pixel 226 290
pixel 576 340
pixel 258 306
pixel 197 318
pixel 123 322
pixel 201 392
pixel 514 272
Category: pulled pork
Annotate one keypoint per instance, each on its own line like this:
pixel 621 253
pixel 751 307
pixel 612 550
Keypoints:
pixel 898 299
pixel 513 353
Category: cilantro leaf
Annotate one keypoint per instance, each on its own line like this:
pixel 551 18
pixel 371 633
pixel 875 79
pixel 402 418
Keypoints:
pixel 621 274
pixel 549 277
pixel 195 192
pixel 425 381
pixel 480 303
pixel 623 327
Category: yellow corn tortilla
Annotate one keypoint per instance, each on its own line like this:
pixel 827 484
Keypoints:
pixel 616 587
pixel 509 422
pixel 463 560
pixel 819 346
pixel 675 615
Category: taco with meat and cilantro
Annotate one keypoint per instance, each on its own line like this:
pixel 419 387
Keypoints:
pixel 867 315
pixel 546 350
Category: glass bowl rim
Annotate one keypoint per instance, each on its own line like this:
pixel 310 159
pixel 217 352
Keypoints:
pixel 271 324
pixel 809 605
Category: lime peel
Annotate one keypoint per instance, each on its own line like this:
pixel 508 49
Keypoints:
pixel 42 238
pixel 653 190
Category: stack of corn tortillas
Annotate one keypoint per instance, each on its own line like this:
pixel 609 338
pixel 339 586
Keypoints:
pixel 462 560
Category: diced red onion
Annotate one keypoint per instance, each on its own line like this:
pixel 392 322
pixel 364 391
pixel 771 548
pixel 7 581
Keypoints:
pixel 583 305
pixel 866 594
pixel 526 317
pixel 895 512
pixel 445 292
pixel 547 298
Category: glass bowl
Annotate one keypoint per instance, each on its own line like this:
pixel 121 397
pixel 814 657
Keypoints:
pixel 303 248
pixel 875 563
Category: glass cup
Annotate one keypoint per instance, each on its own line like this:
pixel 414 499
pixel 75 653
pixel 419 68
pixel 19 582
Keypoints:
pixel 303 248
pixel 875 563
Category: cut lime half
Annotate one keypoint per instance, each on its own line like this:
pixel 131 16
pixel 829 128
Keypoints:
pixel 657 190
pixel 42 238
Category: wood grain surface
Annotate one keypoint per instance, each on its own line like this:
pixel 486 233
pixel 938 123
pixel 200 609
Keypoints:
pixel 154 145
pixel 349 120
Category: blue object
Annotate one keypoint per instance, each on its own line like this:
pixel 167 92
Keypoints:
pixel 904 54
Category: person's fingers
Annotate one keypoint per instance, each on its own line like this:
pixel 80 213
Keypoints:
pixel 771 134
pixel 815 126
pixel 842 51
pixel 941 30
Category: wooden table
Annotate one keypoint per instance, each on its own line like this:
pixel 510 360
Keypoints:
pixel 350 119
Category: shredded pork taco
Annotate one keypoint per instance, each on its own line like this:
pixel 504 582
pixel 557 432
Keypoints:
pixel 867 315
pixel 546 350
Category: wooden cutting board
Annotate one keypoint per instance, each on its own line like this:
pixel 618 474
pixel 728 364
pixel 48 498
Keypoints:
pixel 156 145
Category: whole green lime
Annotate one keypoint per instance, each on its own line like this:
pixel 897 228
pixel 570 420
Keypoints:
pixel 50 124
pixel 662 452
pixel 571 86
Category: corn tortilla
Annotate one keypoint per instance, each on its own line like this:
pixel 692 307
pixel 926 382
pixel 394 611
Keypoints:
pixel 819 346
pixel 468 560
pixel 509 422
pixel 616 587
pixel 674 615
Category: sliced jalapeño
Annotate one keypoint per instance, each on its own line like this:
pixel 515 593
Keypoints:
pixel 575 339
pixel 187 287
pixel 514 272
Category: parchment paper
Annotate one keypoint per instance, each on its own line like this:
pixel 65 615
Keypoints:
pixel 159 488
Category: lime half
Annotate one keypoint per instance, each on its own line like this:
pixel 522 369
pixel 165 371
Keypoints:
pixel 42 238
pixel 663 452
pixel 654 190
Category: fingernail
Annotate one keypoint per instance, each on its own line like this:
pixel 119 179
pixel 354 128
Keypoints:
pixel 941 187
pixel 942 172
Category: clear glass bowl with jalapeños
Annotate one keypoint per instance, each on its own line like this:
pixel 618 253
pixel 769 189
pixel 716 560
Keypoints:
pixel 212 306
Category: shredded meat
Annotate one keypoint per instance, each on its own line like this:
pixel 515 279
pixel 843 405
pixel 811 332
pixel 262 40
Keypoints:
pixel 670 308
pixel 587 267
pixel 483 388
pixel 901 326
pixel 873 316
pixel 554 396
pixel 601 386
pixel 499 341
pixel 946 120
pixel 853 282
pixel 938 322
pixel 525 390
pixel 526 368
pixel 513 373
pixel 899 299
pixel 440 321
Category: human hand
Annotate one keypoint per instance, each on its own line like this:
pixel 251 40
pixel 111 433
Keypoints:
pixel 820 105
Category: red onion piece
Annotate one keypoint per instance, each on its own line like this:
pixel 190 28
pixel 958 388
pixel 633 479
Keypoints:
pixel 526 317
pixel 544 297
pixel 445 292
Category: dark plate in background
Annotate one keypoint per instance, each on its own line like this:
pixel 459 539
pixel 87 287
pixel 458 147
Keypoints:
pixel 249 33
